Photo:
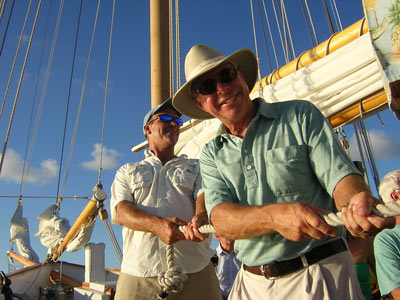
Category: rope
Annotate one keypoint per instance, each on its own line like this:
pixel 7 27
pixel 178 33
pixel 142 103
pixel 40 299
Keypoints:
pixel 270 34
pixel 15 59
pixel 172 279
pixel 256 48
pixel 6 29
pixel 285 19
pixel 264 36
pixel 285 54
pixel 19 84
pixel 80 102
pixel 29 147
pixel 105 92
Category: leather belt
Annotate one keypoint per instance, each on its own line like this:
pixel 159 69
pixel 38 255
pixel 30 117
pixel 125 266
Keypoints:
pixel 285 267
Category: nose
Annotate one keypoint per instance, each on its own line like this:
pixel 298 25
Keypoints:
pixel 223 87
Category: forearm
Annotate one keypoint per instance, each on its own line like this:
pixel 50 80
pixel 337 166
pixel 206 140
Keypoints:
pixel 347 188
pixel 238 222
pixel 133 218
pixel 200 205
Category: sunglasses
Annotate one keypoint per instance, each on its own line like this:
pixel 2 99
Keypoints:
pixel 209 86
pixel 167 119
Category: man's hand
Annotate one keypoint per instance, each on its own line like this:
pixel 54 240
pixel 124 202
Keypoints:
pixel 357 218
pixel 192 232
pixel 167 229
pixel 299 221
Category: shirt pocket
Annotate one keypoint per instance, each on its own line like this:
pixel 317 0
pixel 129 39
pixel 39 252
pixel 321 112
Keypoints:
pixel 140 178
pixel 184 177
pixel 288 170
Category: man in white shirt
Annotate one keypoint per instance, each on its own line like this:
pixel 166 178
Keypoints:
pixel 151 199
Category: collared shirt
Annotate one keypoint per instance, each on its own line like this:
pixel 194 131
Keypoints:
pixel 226 270
pixel 289 153
pixel 387 257
pixel 164 191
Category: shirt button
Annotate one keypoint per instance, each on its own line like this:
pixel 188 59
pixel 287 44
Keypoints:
pixel 245 150
pixel 248 167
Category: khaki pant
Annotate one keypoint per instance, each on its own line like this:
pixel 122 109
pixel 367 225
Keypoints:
pixel 332 278
pixel 199 286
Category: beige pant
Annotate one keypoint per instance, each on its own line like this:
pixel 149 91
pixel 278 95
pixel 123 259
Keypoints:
pixel 199 286
pixel 331 278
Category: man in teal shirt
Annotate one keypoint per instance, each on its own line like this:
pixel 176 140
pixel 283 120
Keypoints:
pixel 268 176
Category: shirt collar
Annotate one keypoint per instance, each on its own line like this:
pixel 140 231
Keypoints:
pixel 264 109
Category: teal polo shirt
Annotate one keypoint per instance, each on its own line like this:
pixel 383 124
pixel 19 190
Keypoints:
pixel 289 153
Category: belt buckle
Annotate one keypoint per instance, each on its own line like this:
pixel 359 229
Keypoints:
pixel 262 268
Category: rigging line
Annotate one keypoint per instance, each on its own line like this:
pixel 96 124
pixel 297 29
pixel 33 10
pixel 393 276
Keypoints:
pixel 2 7
pixel 280 33
pixel 358 139
pixel 328 17
pixel 6 29
pixel 289 33
pixel 19 85
pixel 311 21
pixel 113 239
pixel 177 46
pixel 68 99
pixel 270 34
pixel 29 149
pixel 44 88
pixel 80 103
pixel 307 23
pixel 106 91
pixel 43 197
pixel 255 40
pixel 337 15
pixel 171 50
pixel 15 58
pixel 370 153
pixel 264 36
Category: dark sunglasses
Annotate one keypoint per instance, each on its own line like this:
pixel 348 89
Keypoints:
pixel 167 119
pixel 209 86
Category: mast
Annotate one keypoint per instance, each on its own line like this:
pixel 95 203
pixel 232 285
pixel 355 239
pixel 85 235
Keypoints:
pixel 159 51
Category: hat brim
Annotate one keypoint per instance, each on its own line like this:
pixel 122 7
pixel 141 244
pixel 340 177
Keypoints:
pixel 182 100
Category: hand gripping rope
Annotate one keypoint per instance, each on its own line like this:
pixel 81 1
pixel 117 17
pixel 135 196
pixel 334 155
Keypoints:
pixel 172 279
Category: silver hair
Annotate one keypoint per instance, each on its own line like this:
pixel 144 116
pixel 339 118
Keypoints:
pixel 389 184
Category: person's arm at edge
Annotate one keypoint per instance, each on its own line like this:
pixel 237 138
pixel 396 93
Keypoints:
pixel 396 293
pixel 200 218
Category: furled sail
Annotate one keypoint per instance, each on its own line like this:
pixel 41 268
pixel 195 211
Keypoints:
pixel 19 232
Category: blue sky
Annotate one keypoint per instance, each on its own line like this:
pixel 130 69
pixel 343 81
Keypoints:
pixel 225 25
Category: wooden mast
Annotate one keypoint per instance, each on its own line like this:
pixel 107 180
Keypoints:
pixel 159 51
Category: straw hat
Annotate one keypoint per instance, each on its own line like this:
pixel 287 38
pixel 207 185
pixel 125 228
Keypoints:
pixel 201 59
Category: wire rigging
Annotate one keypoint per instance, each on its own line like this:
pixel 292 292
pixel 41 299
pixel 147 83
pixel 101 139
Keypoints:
pixel 15 59
pixel 28 146
pixel 19 85
pixel 270 34
pixel 106 92
pixel 68 101
pixel 264 36
pixel 6 29
pixel 64 180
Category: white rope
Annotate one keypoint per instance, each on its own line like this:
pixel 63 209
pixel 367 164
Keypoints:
pixel 172 279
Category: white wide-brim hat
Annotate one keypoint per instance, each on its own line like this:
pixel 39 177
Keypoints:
pixel 201 59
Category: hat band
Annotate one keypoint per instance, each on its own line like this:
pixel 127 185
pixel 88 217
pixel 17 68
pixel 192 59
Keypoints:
pixel 204 65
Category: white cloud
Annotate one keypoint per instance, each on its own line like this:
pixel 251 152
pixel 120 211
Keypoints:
pixel 13 165
pixel 385 147
pixel 109 160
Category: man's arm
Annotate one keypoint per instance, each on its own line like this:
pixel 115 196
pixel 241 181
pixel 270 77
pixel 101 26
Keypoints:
pixel 165 228
pixel 200 218
pixel 295 221
pixel 353 197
